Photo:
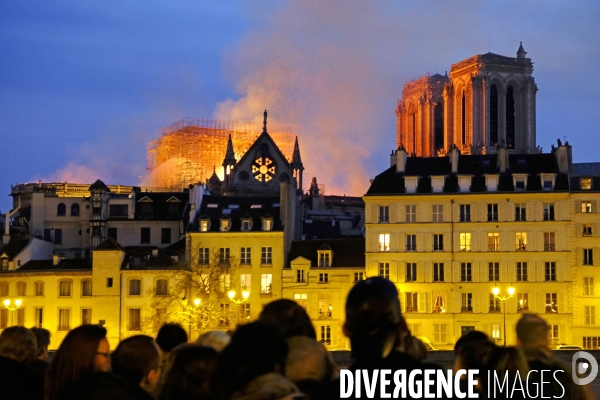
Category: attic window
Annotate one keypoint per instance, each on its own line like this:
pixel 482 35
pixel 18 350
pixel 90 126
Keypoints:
pixel 324 258
pixel 212 205
pixel 491 182
pixel 437 184
pixel 256 206
pixel 520 182
pixel 246 224
pixel 547 181
pixel 464 183
pixel 410 184
pixel 204 224
pixel 586 183
pixel 225 224
pixel 267 224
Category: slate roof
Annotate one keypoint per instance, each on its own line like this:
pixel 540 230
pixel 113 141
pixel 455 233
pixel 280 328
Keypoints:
pixel 150 258
pixel 109 244
pixel 160 206
pixel 347 253
pixel 392 182
pixel 14 247
pixel 217 207
pixel 70 264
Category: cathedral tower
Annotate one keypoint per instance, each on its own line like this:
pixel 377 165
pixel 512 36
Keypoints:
pixel 488 100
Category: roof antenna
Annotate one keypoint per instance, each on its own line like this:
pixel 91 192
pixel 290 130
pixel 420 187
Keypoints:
pixel 265 121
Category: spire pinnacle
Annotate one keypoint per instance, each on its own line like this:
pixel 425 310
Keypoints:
pixel 521 52
pixel 296 159
pixel 229 154
pixel 265 121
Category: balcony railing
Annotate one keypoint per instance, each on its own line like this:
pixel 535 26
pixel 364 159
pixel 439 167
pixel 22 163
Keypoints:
pixel 549 247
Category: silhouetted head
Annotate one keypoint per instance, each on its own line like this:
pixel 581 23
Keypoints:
pixel 372 318
pixel 136 360
pixel 469 337
pixel 532 330
pixel 43 341
pixel 171 335
pixel 18 343
pixel 290 317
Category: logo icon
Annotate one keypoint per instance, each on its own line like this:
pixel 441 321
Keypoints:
pixel 582 367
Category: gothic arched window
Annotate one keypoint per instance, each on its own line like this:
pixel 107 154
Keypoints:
pixel 510 118
pixel 493 115
pixel 464 119
pixel 438 120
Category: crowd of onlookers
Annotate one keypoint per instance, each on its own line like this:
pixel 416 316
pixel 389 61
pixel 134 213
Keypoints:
pixel 276 357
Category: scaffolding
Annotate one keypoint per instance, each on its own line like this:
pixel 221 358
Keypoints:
pixel 186 151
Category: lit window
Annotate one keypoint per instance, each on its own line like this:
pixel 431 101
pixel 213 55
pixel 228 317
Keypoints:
pixel 551 303
pixel 225 224
pixel 493 241
pixel 86 287
pixel 267 224
pixel 325 305
pixel 411 302
pixel 465 241
pixel 586 206
pixel 266 281
pixel 495 331
pixel 521 241
pixel 439 303
pixel 246 281
pixel 384 242
pixel 134 319
pixel 65 288
pixel 586 183
pixel 204 225
pixel 522 302
pixel 587 230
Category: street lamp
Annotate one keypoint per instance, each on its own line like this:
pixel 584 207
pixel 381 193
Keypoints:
pixel 496 292
pixel 12 309
pixel 245 296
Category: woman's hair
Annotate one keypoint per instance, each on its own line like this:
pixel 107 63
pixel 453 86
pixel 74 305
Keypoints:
pixel 509 360
pixel 74 360
pixel 19 344
pixel 188 372
pixel 290 317
pixel 256 349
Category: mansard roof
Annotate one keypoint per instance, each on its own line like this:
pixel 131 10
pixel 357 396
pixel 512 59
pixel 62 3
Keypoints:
pixel 237 208
pixel 347 253
pixel 160 205
pixel 391 182
pixel 69 264
pixel 14 247
pixel 151 258
pixel 109 244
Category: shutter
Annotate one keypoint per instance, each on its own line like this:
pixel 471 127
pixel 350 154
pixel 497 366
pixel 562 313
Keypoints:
pixel 539 211
pixel 502 212
pixel 532 298
pixel 541 302
pixel 456 242
pixel 428 272
pixel 421 272
pixel 336 305
pixel 456 271
pixel 448 272
pixel 476 303
pixel 474 214
pixel 428 246
pixel 474 241
pixel 420 243
pixel 529 212
pixel 502 238
pixel 402 302
pixel 596 255
pixel 393 242
pixel 512 271
pixel 483 272
pixel 512 241
pixel 374 242
pixel 562 333
pixel 455 212
pixel 374 213
pixel 532 244
pixel 394 271
pixel 503 272
pixel 577 206
pixel 562 305
pixel 423 302
pixel 392 213
pixel 540 271
pixel 595 231
pixel 445 213
pixel 578 230
pixel 401 217
pixel 449 302
pixel 457 302
pixel 579 253
pixel 401 271
pixel 558 214
pixel 540 241
pixel 447 243
pixel 483 242
pixel 475 271
pixel 560 277
pixel 594 206
pixel 401 242
pixel 510 212
pixel 482 212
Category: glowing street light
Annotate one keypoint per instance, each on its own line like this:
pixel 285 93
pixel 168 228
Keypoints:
pixel 245 295
pixel 12 309
pixel 496 292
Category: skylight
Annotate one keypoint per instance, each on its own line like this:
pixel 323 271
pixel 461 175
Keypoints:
pixel 256 206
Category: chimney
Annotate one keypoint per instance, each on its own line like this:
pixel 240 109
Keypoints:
pixel 454 153
pixel 401 159
pixel 502 159
pixel 55 259
pixel 563 154
pixel 393 158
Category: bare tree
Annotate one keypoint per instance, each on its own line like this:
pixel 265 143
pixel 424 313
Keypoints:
pixel 196 296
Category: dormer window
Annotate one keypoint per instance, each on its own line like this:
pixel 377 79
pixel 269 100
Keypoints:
pixel 246 224
pixel 585 183
pixel 520 182
pixel 437 184
pixel 225 225
pixel 464 183
pixel 325 258
pixel 410 184
pixel 491 182
pixel 204 224
pixel 547 181
pixel 267 224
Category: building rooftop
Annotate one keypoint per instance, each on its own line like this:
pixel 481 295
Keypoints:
pixel 346 253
